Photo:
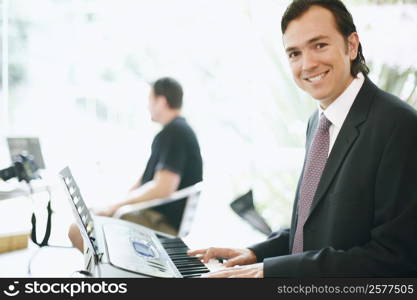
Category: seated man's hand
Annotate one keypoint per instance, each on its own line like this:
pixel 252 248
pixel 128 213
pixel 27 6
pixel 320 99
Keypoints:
pixel 250 271
pixel 233 256
pixel 107 211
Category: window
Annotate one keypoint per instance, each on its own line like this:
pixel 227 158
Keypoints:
pixel 75 73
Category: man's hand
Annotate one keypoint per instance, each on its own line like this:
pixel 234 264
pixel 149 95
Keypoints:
pixel 250 271
pixel 108 211
pixel 233 256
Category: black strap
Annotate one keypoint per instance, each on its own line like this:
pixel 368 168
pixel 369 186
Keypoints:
pixel 48 227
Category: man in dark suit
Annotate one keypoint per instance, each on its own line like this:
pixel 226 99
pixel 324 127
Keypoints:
pixel 355 210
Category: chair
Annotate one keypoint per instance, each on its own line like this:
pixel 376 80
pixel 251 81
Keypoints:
pixel 191 193
pixel 243 206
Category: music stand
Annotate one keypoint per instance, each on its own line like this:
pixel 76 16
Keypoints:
pixel 83 218
pixel 243 206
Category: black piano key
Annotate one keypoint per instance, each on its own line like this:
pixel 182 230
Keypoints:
pixel 183 256
pixel 173 241
pixel 175 251
pixel 188 262
pixel 184 265
pixel 185 262
pixel 185 259
pixel 176 247
pixel 183 269
pixel 189 271
pixel 179 256
pixel 193 276
pixel 193 272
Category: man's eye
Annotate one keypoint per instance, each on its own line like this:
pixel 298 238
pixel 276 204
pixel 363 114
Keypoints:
pixel 321 45
pixel 293 54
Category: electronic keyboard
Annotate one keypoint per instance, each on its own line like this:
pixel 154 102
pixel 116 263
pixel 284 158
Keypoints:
pixel 117 248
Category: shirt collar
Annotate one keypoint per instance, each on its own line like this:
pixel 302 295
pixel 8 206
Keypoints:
pixel 337 111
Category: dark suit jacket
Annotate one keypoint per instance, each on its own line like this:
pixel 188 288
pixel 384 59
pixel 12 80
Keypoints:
pixel 363 220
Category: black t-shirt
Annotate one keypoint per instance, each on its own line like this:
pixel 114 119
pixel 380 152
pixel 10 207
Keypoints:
pixel 175 148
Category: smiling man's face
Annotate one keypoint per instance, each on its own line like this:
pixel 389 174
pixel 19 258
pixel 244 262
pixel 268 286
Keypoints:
pixel 318 54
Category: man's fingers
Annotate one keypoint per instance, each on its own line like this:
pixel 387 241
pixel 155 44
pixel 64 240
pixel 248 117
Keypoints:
pixel 223 273
pixel 247 273
pixel 242 275
pixel 217 274
pixel 209 253
pixel 233 262
pixel 204 254
pixel 195 252
pixel 101 213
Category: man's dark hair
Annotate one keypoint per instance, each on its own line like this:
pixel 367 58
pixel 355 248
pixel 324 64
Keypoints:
pixel 171 89
pixel 344 22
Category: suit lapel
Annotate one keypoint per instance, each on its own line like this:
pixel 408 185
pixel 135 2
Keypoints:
pixel 312 129
pixel 347 136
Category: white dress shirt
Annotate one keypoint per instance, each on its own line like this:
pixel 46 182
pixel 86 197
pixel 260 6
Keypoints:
pixel 337 111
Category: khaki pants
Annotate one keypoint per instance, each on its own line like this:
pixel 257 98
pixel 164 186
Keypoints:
pixel 151 219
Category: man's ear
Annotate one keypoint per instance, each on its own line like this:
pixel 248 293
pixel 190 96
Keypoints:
pixel 353 45
pixel 161 100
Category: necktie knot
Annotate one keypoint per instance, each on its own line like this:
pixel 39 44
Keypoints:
pixel 324 124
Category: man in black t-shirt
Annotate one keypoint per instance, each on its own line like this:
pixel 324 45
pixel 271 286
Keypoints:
pixel 175 163
pixel 175 150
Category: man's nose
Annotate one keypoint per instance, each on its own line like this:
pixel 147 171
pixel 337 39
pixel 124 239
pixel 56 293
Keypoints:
pixel 309 61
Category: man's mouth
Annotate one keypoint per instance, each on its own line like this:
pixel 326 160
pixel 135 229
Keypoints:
pixel 316 78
